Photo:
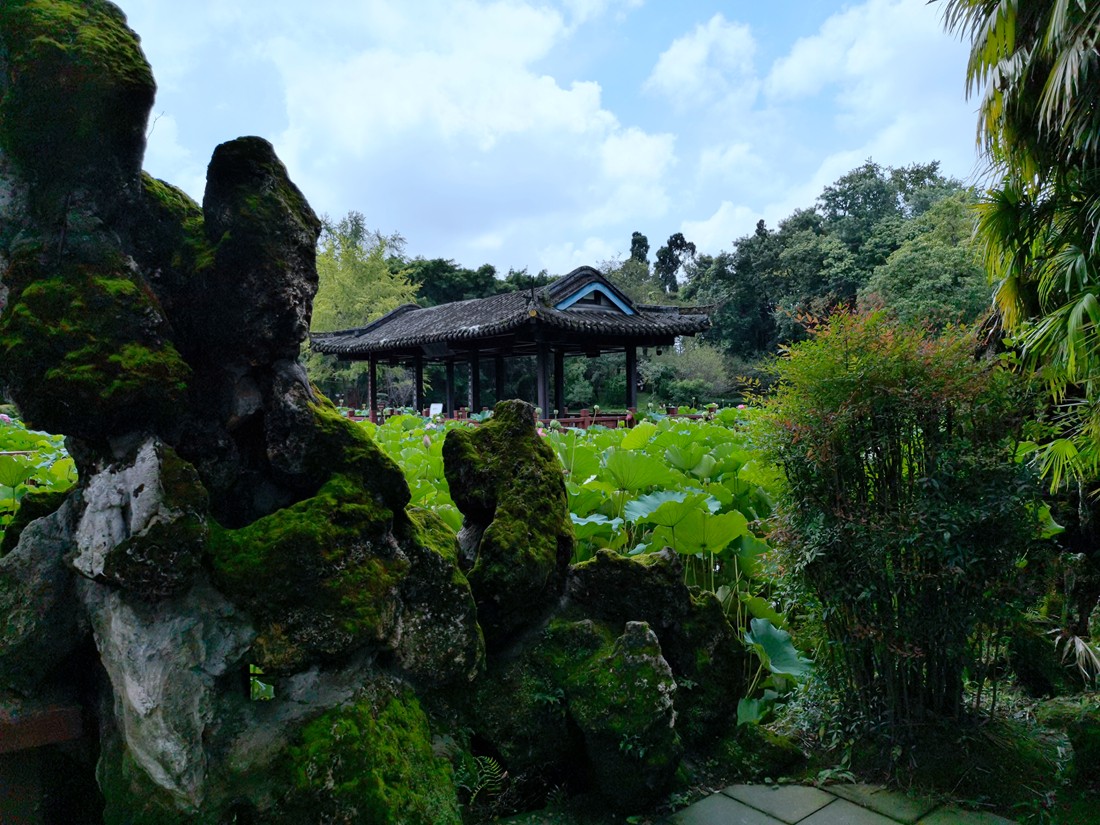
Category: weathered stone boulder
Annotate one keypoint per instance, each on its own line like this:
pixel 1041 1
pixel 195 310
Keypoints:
pixel 143 525
pixel 259 297
pixel 698 642
pixel 510 488
pixel 581 706
pixel 83 344
pixel 622 701
pixel 165 662
pixel 41 623
pixel 369 760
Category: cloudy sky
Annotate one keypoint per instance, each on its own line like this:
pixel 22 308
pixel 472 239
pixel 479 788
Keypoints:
pixel 541 133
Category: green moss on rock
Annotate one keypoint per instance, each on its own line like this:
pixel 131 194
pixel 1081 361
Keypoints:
pixel 82 349
pixel 510 488
pixel 162 559
pixel 320 575
pixel 370 761
pixel 332 443
pixel 623 703
pixel 79 91
pixel 696 639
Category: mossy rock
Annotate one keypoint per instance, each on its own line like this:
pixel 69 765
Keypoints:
pixel 168 241
pixel 32 506
pixel 623 704
pixel 330 442
pixel 132 798
pixel 320 576
pixel 258 301
pixel 441 641
pixel 510 488
pixel 519 706
pixel 1080 719
pixel 707 659
pixel 370 760
pixel 163 557
pixel 78 94
pixel 82 350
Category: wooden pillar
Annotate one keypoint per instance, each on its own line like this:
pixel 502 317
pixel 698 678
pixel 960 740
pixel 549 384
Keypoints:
pixel 631 377
pixel 418 386
pixel 475 381
pixel 372 388
pixel 450 405
pixel 559 380
pixel 498 376
pixel 542 370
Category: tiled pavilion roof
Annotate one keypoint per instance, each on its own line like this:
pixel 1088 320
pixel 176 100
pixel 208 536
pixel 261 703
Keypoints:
pixel 580 307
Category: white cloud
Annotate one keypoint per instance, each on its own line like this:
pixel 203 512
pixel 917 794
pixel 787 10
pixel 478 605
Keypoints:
pixel 712 63
pixel 721 229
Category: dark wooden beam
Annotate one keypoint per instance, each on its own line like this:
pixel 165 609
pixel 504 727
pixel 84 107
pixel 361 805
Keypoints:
pixel 372 388
pixel 418 378
pixel 450 405
pixel 542 364
pixel 475 381
pixel 559 380
pixel 498 376
pixel 631 377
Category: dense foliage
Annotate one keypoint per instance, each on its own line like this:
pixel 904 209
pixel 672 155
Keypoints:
pixel 907 521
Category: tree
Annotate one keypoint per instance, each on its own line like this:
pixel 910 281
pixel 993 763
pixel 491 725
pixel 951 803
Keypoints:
pixel 639 248
pixel 441 281
pixel 905 511
pixel 936 275
pixel 670 257
pixel 1035 64
pixel 357 283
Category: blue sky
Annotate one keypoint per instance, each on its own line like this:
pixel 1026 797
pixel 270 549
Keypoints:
pixel 541 133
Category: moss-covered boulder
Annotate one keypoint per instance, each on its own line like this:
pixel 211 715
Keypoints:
pixel 340 571
pixel 33 506
pixel 259 299
pixel 707 658
pixel 623 703
pixel 370 760
pixel 143 526
pixel 76 96
pixel 583 708
pixel 82 343
pixel 510 488
pixel 1079 717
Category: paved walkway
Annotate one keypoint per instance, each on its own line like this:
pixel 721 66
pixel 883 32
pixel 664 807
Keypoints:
pixel 839 805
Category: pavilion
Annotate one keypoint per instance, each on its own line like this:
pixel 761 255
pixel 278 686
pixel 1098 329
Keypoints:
pixel 581 313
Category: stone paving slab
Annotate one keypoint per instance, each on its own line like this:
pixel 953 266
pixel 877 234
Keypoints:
pixel 718 809
pixel 788 803
pixel 950 815
pixel 894 804
pixel 843 812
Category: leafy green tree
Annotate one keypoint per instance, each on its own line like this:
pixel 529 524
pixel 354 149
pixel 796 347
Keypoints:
pixel 635 278
pixel 1034 65
pixel 906 513
pixel 639 248
pixel 670 258
pixel 441 281
pixel 355 280
pixel 357 283
pixel 936 276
